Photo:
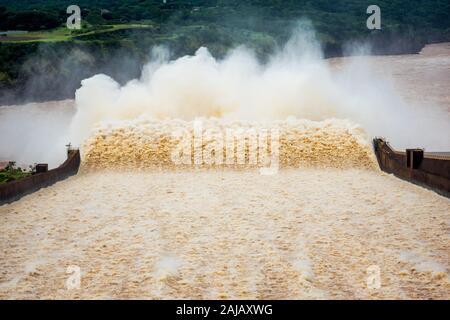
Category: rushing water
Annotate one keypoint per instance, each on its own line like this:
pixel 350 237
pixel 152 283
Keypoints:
pixel 306 232
pixel 415 95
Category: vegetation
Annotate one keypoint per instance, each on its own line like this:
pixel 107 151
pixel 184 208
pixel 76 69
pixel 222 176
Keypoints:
pixel 11 173
pixel 120 33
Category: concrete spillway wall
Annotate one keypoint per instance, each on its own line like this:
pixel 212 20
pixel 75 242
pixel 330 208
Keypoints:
pixel 431 170
pixel 14 190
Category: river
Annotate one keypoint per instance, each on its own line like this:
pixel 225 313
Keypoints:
pixel 305 232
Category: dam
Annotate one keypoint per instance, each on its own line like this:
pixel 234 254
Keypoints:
pixel 137 226
pixel 302 233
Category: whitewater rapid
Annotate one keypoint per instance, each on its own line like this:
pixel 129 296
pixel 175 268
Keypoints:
pixel 227 234
pixel 315 229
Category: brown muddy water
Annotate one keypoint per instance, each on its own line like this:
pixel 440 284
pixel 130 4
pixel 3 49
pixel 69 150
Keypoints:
pixel 310 231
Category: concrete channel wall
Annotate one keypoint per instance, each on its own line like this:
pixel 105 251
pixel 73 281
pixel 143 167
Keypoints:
pixel 14 190
pixel 430 170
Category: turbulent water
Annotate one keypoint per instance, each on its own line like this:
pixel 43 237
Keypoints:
pixel 302 233
pixel 140 226
pixel 217 143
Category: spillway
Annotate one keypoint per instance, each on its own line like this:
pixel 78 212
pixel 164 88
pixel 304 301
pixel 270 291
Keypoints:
pixel 327 224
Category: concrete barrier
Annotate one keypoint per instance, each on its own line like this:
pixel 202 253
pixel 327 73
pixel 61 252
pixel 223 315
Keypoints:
pixel 14 190
pixel 430 170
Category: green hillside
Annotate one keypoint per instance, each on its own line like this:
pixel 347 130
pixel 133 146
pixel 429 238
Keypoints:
pixel 47 60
